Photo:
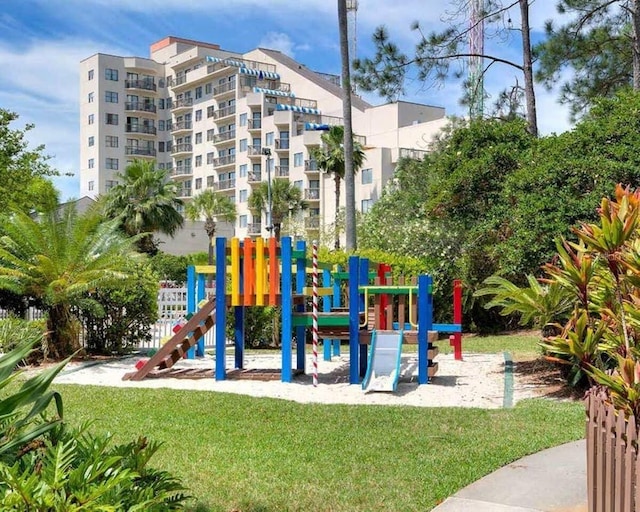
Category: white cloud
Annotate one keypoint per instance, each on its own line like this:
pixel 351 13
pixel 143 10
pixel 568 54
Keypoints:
pixel 278 41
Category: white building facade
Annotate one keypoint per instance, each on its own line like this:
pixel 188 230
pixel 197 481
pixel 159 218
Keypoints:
pixel 210 117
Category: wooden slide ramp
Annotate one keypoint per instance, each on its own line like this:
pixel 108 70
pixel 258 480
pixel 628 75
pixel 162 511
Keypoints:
pixel 178 345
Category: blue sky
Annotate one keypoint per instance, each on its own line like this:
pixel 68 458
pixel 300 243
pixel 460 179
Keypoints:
pixel 43 41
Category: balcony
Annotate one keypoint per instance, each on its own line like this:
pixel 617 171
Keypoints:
pixel 312 194
pixel 183 192
pixel 181 148
pixel 254 177
pixel 312 222
pixel 145 85
pixel 181 171
pixel 282 171
pixel 139 151
pixel 254 229
pixel 311 167
pixel 254 150
pixel 226 185
pixel 254 124
pixel 182 103
pixel 140 128
pixel 224 112
pixel 140 106
pixel 416 154
pixel 282 144
pixel 181 126
pixel 223 161
pixel 224 88
pixel 224 137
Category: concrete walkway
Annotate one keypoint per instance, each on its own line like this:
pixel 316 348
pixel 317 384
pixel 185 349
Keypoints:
pixel 553 480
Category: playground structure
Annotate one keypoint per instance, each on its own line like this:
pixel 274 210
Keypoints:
pixel 263 273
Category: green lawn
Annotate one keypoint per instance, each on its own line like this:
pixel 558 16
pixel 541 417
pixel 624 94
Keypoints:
pixel 237 453
pixel 521 346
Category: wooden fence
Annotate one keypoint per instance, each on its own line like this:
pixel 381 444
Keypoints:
pixel 613 473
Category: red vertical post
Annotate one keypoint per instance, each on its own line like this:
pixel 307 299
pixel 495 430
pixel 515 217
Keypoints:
pixel 457 318
pixel 383 268
pixel 274 278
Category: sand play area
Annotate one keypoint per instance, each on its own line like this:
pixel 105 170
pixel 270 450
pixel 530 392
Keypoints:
pixel 479 380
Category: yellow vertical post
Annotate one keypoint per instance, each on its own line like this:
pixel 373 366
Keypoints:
pixel 235 272
pixel 261 272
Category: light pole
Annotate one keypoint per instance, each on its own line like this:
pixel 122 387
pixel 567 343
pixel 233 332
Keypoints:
pixel 267 152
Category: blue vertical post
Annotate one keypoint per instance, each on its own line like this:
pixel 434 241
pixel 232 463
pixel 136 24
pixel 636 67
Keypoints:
pixel 425 323
pixel 363 280
pixel 354 321
pixel 191 300
pixel 201 294
pixel 326 307
pixel 336 304
pixel 239 336
pixel 301 276
pixel 221 307
pixel 286 288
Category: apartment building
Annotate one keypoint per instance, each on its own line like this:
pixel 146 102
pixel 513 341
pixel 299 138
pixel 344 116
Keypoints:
pixel 228 121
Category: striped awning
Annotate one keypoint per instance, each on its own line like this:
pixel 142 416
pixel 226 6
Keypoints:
pixel 260 74
pixel 295 108
pixel 316 127
pixel 228 62
pixel 273 92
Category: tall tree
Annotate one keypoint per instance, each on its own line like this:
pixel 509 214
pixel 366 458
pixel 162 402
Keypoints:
pixel 331 159
pixel 24 172
pixel 600 44
pixel 57 259
pixel 212 206
pixel 286 199
pixel 145 203
pixel 436 51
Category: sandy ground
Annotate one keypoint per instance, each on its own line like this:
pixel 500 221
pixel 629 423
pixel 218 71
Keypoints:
pixel 477 381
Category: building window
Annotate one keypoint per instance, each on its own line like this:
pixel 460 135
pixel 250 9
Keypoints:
pixel 208 88
pixel 209 181
pixel 90 97
pixel 243 196
pixel 161 103
pixel 242 146
pixel 297 159
pixel 111 141
pixel 198 160
pixel 199 138
pixel 210 158
pixel 91 163
pixel 210 134
pixel 90 119
pixel 91 141
pixel 268 139
pixel 161 125
pixel 167 146
pixel 210 111
pixel 298 184
pixel 109 184
pixel 168 102
pixel 199 115
pixel 161 83
pixel 161 147
pixel 243 171
pixel 111 97
pixel 367 176
pixel 366 205
pixel 112 119
pixel 242 221
pixel 90 77
pixel 198 183
pixel 112 163
pixel 111 74
pixel 90 185
pixel 198 92
pixel 243 120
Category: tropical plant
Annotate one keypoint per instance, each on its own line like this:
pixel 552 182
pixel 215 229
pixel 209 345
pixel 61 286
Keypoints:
pixel 286 199
pixel 59 258
pixel 330 157
pixel 145 202
pixel 213 206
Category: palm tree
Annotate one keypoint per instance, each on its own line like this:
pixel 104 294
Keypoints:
pixel 330 158
pixel 145 203
pixel 212 206
pixel 57 259
pixel 286 199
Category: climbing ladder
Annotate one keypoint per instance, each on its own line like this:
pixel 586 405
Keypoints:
pixel 178 345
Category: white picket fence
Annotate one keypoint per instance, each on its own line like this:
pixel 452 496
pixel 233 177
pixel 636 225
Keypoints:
pixel 172 308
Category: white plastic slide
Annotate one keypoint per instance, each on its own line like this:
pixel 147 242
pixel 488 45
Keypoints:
pixel 385 355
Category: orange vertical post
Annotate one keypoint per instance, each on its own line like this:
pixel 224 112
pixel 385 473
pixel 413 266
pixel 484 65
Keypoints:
pixel 260 272
pixel 248 287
